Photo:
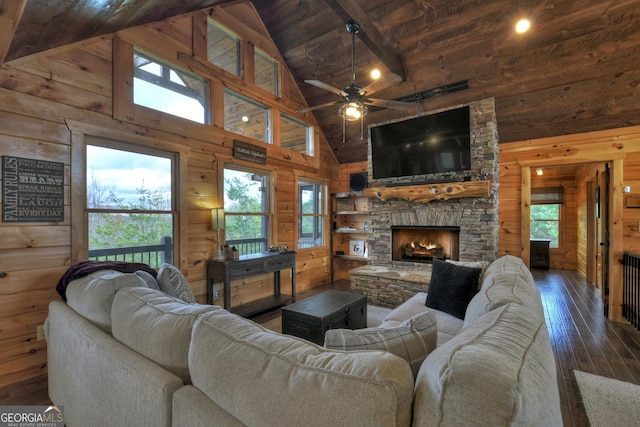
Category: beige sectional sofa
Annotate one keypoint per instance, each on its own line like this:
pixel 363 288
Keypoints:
pixel 158 361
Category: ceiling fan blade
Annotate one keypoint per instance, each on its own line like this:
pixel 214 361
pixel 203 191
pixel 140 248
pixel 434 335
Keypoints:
pixel 316 107
pixel 394 105
pixel 383 82
pixel 325 86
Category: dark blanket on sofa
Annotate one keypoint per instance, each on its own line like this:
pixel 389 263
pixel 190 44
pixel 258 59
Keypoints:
pixel 84 268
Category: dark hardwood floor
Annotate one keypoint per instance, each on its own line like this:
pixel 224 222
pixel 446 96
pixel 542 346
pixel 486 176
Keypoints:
pixel 581 337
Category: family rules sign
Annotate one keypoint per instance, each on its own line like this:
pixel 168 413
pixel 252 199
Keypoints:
pixel 32 190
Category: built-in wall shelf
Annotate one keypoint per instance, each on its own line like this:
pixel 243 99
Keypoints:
pixel 429 192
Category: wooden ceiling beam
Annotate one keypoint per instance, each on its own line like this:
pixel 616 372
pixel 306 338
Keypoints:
pixel 10 14
pixel 349 10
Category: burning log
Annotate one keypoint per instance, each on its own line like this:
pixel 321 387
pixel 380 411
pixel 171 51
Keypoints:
pixel 423 250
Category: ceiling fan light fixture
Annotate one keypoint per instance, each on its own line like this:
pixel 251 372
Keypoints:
pixel 352 111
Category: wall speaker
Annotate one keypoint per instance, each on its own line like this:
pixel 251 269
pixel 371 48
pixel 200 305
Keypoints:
pixel 358 181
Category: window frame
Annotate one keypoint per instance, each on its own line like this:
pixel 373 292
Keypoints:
pixel 267 115
pixel 320 217
pixel 259 53
pixel 136 149
pixel 231 35
pixel 267 197
pixel 309 134
pixel 547 196
pixel 205 101
pixel 80 133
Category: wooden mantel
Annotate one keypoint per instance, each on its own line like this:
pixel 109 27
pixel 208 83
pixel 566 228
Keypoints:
pixel 429 192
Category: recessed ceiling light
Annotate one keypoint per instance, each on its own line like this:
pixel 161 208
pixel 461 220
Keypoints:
pixel 522 26
pixel 245 119
pixel 375 74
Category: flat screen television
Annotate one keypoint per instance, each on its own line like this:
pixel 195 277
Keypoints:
pixel 430 144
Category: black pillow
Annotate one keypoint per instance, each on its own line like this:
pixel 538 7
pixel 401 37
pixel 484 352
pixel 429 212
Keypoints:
pixel 452 287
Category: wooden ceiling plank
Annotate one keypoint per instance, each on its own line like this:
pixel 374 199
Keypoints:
pixel 349 10
pixel 10 14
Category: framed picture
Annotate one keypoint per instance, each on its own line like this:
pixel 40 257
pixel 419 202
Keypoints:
pixel 356 247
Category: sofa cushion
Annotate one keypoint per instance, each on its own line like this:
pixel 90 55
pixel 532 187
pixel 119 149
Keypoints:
pixel 173 283
pixel 500 370
pixel 264 378
pixel 412 339
pixel 500 289
pixel 448 325
pixel 452 287
pixel 157 326
pixel 509 264
pixel 92 295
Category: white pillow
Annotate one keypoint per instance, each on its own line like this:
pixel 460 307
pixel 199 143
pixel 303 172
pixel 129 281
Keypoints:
pixel 173 283
pixel 412 340
pixel 151 281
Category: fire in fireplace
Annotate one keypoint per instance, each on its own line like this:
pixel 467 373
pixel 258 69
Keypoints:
pixel 423 243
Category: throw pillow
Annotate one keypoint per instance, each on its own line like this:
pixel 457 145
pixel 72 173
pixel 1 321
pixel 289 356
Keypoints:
pixel 412 340
pixel 482 265
pixel 151 281
pixel 452 287
pixel 173 283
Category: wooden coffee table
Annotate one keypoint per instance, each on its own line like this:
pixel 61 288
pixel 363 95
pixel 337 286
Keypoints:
pixel 313 316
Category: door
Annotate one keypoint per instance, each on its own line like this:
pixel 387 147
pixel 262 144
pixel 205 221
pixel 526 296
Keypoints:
pixel 604 237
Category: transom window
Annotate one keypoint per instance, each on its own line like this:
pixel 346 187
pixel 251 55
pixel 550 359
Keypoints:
pixel 246 117
pixel 223 48
pixel 266 72
pixel 295 135
pixel 311 214
pixel 247 209
pixel 130 203
pixel 162 87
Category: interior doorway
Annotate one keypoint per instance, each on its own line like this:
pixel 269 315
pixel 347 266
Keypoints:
pixel 598 209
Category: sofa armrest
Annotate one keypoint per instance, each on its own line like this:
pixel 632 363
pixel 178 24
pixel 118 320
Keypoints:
pixel 90 373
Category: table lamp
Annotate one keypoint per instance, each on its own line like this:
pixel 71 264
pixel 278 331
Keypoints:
pixel 217 223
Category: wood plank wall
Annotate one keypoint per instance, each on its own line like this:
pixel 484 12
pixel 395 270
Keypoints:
pixel 43 97
pixel 620 148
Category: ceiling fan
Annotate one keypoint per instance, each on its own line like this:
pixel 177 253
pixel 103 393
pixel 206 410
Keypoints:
pixel 356 98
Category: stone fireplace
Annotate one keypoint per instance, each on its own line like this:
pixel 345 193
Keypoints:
pixel 469 218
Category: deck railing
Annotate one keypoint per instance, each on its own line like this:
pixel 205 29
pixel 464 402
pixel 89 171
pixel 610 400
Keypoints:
pixel 631 288
pixel 152 255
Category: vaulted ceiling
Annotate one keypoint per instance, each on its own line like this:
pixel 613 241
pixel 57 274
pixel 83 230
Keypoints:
pixel 575 71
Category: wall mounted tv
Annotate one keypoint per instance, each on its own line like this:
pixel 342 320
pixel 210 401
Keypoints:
pixel 429 144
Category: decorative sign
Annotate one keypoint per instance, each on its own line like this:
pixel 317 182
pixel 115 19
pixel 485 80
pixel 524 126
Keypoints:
pixel 32 190
pixel 249 152
pixel 356 247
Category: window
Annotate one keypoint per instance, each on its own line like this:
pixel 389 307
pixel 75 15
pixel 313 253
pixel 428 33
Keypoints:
pixel 295 135
pixel 266 72
pixel 246 117
pixel 130 203
pixel 311 214
pixel 545 212
pixel 223 48
pixel 247 209
pixel 159 86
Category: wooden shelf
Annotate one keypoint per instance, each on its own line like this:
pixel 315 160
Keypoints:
pixel 351 213
pixel 260 305
pixel 353 257
pixel 429 192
